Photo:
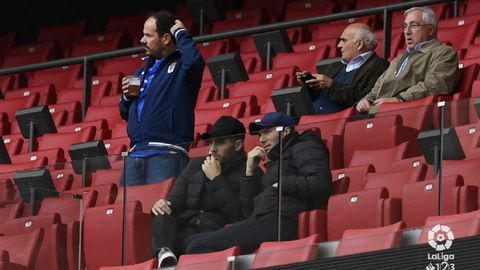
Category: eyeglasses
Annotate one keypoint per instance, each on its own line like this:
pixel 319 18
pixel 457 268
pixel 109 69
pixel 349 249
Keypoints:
pixel 413 26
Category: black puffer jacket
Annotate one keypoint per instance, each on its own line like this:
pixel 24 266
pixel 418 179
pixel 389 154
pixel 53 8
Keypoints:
pixel 209 205
pixel 307 180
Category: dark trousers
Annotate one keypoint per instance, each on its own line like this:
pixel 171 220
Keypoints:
pixel 168 232
pixel 247 234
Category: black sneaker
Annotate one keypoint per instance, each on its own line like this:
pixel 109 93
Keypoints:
pixel 166 258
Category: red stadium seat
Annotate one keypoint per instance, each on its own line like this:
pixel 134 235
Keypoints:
pixel 65 35
pixel 473 7
pixel 460 36
pixel 13 146
pixel 49 46
pixel 381 159
pixel 53 156
pixel 101 177
pixel 274 74
pixel 247 13
pixel 64 140
pixel 214 260
pixel 9 107
pixel 73 109
pixel 229 25
pixel 12 60
pixel 209 116
pixel 376 133
pixel 367 240
pixel 210 49
pixel 83 49
pixel 356 175
pixel 147 195
pixel 394 181
pixel 6 83
pixel 6 42
pixel 327 31
pixel 146 265
pixel 416 114
pixel 101 128
pixel 133 24
pixel 285 252
pixel 115 79
pixel 305 60
pixel 250 103
pixel 47 94
pixel 261 89
pixel 107 222
pixel 456 199
pixel 67 207
pixel 106 193
pixel 60 77
pixel 109 100
pixel 396 43
pixel 10 212
pixel 126 66
pixel 463 225
pixel 53 247
pixel 359 210
pixel 295 14
pixel 309 46
pixel 76 94
pixel 459 21
pixel 361 4
pixel 22 248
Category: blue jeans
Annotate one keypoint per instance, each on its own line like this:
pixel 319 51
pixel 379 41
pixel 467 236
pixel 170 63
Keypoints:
pixel 153 169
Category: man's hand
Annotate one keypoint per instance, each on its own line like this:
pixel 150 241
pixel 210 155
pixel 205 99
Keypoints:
pixel 162 207
pixel 178 24
pixel 385 100
pixel 125 86
pixel 363 106
pixel 211 168
pixel 320 81
pixel 253 158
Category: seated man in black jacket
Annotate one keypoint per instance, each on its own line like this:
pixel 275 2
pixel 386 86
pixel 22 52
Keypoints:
pixel 306 184
pixel 208 194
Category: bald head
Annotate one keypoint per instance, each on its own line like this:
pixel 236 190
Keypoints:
pixel 357 38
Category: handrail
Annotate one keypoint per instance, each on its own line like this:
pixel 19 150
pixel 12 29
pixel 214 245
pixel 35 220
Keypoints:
pixel 88 59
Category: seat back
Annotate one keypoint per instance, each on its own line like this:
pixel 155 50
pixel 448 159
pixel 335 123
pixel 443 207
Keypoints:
pixel 381 159
pixel 285 252
pixel 394 181
pixel 23 248
pixel 147 195
pixel 366 240
pixel 206 261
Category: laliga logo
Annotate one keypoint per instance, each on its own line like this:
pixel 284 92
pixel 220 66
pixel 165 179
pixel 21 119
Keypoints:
pixel 440 237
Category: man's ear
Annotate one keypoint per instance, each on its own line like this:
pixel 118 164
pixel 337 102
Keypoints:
pixel 360 44
pixel 238 145
pixel 287 130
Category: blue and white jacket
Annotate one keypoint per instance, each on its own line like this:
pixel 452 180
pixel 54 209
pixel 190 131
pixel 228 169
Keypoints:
pixel 168 111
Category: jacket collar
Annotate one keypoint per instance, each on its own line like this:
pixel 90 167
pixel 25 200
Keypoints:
pixel 288 141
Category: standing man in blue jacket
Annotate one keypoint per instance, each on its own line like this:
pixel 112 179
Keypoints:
pixel 161 116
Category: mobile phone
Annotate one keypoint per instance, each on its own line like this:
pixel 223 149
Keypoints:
pixel 306 76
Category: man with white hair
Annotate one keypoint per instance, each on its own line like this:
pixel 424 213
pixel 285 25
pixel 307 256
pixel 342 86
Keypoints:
pixel 345 83
pixel 427 67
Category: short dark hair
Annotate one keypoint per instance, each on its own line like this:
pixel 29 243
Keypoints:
pixel 164 20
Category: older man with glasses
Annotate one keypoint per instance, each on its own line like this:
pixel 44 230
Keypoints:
pixel 426 68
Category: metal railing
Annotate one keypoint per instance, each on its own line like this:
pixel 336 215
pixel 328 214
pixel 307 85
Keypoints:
pixel 89 59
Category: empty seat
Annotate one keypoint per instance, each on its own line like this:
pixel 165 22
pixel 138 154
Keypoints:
pixel 101 128
pixel 356 175
pixel 110 113
pixel 53 248
pixel 462 225
pixel 22 248
pixel 213 260
pixel 9 212
pixel 68 207
pixel 39 47
pixel 65 35
pixel 358 210
pixel 361 4
pixel 381 159
pixel 106 193
pixel 73 109
pixel 456 198
pixel 12 60
pixel 305 60
pixel 250 103
pixel 460 36
pixel 83 49
pixel 296 14
pixel 376 133
pixel 124 66
pixel 367 240
pixel 6 42
pixel 101 177
pixel 47 93
pixel 329 124
pixel 53 156
pixel 146 265
pixel 107 222
pixel 211 49
pixel 416 114
pixel 285 252
pixel 147 195
pixel 60 77
pixel 10 106
pixel 64 140
pixel 133 24
pixel 115 79
pixel 66 95
pixel 261 89
pixel 274 74
pixel 395 181
pixel 229 25
pixel 209 116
